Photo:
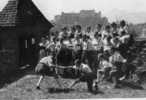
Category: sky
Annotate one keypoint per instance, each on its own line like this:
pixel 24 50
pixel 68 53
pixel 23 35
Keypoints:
pixel 50 8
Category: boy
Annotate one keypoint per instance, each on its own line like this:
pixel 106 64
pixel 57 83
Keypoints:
pixel 43 67
pixel 86 74
pixel 105 68
pixel 117 60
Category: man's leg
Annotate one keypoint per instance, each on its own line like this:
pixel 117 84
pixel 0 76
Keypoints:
pixel 114 76
pixel 89 77
pixel 99 76
pixel 57 77
pixel 115 81
pixel 40 70
pixel 40 80
pixel 89 85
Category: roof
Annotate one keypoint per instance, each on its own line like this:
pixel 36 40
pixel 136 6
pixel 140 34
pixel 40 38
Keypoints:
pixel 21 13
pixel 8 14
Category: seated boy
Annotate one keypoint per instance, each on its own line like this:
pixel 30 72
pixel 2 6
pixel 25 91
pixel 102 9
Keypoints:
pixel 105 68
pixel 117 60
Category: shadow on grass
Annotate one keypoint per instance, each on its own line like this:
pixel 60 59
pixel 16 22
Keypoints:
pixel 13 76
pixel 131 85
pixel 97 92
pixel 59 90
pixel 67 90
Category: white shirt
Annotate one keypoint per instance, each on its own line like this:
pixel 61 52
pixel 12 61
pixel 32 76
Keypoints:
pixel 77 34
pixel 116 57
pixel 123 29
pixel 47 60
pixel 105 34
pixel 60 35
pixel 124 38
pixel 90 45
pixel 100 43
pixel 84 67
pixel 105 64
pixel 51 45
pixel 115 43
pixel 95 44
pixel 84 45
pixel 106 44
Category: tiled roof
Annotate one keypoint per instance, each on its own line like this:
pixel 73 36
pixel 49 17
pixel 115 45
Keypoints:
pixel 21 13
pixel 9 13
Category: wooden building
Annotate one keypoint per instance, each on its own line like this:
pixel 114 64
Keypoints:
pixel 21 25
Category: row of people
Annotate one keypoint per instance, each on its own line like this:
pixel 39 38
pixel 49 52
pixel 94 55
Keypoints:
pixel 101 40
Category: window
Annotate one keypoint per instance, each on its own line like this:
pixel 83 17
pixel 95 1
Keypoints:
pixel 33 41
pixel 0 44
pixel 26 45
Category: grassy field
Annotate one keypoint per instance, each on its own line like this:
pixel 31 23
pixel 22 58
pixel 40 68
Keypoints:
pixel 24 88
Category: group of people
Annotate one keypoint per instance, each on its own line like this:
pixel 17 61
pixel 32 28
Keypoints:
pixel 112 42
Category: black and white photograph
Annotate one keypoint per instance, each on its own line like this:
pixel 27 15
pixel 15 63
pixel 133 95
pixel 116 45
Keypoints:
pixel 72 49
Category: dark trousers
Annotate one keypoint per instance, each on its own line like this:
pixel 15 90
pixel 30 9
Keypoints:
pixel 88 77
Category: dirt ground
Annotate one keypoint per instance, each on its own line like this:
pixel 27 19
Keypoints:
pixel 25 89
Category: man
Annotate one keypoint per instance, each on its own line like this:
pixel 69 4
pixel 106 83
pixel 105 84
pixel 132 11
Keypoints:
pixel 123 28
pixel 124 46
pixel 43 67
pixel 78 33
pixel 115 42
pixel 64 33
pixel 89 33
pixel 106 32
pixel 105 68
pixel 46 66
pixel 72 34
pixel 42 47
pixel 114 30
pixel 107 45
pixel 78 47
pixel 98 30
pixel 99 43
pixel 86 74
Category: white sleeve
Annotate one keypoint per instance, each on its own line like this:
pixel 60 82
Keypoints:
pixel 121 58
pixel 74 67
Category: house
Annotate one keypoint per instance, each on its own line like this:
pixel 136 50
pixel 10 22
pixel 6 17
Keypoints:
pixel 21 26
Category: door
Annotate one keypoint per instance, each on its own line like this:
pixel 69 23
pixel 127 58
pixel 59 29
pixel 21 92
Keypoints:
pixel 27 51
